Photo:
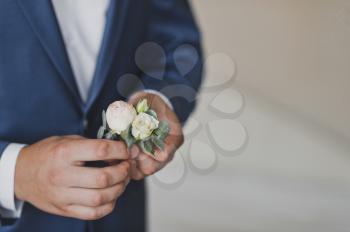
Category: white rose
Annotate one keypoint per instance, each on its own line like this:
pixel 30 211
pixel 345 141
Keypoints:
pixel 119 116
pixel 143 126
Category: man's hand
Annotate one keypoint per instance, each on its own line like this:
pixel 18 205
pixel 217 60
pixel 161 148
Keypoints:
pixel 51 176
pixel 145 165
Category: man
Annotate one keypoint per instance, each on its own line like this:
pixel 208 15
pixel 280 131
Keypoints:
pixel 61 64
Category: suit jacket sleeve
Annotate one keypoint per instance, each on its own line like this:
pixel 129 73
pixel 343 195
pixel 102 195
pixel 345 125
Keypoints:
pixel 176 55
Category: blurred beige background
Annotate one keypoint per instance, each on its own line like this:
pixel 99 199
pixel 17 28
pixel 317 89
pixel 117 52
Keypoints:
pixel 292 67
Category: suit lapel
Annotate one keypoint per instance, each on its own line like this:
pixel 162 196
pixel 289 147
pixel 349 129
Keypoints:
pixel 113 29
pixel 41 17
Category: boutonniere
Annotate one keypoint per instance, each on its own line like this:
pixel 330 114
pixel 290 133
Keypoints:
pixel 134 125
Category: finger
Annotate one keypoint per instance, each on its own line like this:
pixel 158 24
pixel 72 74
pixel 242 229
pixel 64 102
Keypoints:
pixel 93 197
pixel 89 177
pixel 135 173
pixel 89 213
pixel 165 155
pixel 96 149
pixel 134 151
pixel 147 165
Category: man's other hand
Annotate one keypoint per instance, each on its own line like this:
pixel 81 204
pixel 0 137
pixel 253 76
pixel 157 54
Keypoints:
pixel 145 165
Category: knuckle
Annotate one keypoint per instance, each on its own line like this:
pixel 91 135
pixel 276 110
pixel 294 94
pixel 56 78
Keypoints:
pixel 97 199
pixel 119 190
pixel 163 157
pixel 102 149
pixel 149 171
pixel 103 180
pixel 127 166
pixel 61 201
pixel 124 172
pixel 122 148
pixel 65 208
pixel 60 150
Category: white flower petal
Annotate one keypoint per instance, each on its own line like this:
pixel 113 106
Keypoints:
pixel 143 125
pixel 119 116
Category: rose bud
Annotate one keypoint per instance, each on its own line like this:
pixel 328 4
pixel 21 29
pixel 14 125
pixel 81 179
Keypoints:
pixel 119 116
pixel 142 106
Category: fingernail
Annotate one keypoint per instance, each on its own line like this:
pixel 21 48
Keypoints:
pixel 134 151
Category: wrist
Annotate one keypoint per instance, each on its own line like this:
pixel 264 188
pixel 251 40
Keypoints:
pixel 8 164
pixel 20 172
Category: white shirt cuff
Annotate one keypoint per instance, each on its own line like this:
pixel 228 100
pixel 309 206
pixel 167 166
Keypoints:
pixel 162 96
pixel 10 207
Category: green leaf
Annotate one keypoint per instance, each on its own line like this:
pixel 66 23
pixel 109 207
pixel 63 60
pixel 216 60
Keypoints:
pixel 152 113
pixel 163 126
pixel 127 137
pixel 124 134
pixel 147 147
pixel 110 135
pixel 163 130
pixel 130 141
pixel 158 142
pixel 101 132
pixel 104 121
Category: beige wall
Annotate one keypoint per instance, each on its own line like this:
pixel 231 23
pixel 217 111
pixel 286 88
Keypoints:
pixel 295 52
pixel 292 59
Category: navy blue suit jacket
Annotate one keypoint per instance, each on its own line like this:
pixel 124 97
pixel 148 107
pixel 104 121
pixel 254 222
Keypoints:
pixel 39 96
